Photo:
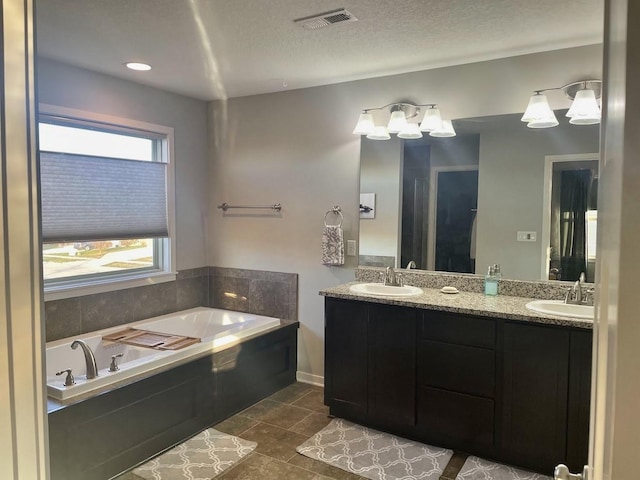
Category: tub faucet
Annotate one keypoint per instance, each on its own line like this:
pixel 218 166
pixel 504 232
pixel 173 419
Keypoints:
pixel 89 358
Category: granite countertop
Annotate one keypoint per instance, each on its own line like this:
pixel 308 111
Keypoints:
pixel 500 306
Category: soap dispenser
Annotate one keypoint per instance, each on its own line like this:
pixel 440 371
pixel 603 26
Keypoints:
pixel 491 280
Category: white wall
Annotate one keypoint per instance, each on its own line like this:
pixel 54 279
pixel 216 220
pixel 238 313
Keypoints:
pixel 510 193
pixel 72 87
pixel 296 147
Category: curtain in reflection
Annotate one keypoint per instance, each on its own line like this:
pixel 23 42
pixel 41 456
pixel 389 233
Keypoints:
pixel 574 199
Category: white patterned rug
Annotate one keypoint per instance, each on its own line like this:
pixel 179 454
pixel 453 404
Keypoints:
pixel 373 454
pixel 199 458
pixel 475 468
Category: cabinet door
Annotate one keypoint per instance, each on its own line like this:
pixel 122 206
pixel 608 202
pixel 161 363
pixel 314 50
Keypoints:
pixel 392 365
pixel 536 367
pixel 346 357
pixel 579 399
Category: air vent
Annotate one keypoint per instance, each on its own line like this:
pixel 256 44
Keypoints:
pixel 325 19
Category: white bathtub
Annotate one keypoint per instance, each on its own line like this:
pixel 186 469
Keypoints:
pixel 217 329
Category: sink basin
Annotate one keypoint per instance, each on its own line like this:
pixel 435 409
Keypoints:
pixel 558 307
pixel 385 290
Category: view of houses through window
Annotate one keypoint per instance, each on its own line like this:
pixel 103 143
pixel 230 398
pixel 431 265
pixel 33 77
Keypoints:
pixel 109 156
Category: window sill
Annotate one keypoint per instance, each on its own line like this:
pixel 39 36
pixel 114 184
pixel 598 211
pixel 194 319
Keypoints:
pixel 59 292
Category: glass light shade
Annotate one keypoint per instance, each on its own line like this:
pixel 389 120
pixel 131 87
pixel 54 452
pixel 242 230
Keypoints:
pixel 538 113
pixel 365 125
pixel 380 133
pixel 432 120
pixel 445 131
pixel 397 122
pixel 411 130
pixel 584 109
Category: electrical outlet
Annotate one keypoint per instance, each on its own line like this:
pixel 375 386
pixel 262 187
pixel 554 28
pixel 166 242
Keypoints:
pixel 351 248
pixel 527 236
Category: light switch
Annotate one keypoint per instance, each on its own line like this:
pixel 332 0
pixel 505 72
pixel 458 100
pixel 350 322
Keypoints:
pixel 527 236
pixel 351 248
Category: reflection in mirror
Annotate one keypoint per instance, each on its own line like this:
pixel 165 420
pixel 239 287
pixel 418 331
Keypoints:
pixel 461 204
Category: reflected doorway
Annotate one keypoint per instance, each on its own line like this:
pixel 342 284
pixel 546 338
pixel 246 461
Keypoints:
pixel 454 202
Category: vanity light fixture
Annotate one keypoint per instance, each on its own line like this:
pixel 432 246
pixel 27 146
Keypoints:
pixel 584 109
pixel 403 121
pixel 140 67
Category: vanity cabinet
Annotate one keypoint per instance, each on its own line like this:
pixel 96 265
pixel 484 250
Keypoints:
pixel 516 392
pixel 370 362
pixel 457 381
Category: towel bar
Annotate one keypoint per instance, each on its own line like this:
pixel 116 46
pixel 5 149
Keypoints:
pixel 225 206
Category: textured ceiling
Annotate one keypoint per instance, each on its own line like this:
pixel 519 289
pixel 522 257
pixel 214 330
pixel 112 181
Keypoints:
pixel 211 49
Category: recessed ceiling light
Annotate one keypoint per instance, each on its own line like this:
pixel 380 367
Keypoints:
pixel 141 67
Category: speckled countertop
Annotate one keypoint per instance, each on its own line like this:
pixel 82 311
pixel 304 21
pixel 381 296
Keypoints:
pixel 501 306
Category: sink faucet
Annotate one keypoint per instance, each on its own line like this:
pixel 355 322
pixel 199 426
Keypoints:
pixel 576 296
pixel 411 265
pixel 393 278
pixel 89 358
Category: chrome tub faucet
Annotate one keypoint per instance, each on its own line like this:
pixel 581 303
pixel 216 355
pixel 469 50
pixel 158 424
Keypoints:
pixel 89 358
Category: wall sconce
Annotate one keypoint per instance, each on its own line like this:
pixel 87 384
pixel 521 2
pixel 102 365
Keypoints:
pixel 400 114
pixel 584 109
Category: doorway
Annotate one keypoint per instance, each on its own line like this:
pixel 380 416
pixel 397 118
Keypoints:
pixel 453 208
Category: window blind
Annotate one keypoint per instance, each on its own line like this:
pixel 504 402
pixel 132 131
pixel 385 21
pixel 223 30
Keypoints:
pixel 95 198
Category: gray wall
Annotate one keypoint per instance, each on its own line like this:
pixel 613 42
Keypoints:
pixel 510 194
pixel 66 86
pixel 296 147
pixel 381 173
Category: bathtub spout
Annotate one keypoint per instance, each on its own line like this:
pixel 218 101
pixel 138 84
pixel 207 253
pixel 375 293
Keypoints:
pixel 89 358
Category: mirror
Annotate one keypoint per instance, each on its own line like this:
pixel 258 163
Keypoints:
pixel 483 197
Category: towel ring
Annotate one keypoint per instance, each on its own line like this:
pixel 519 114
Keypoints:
pixel 337 211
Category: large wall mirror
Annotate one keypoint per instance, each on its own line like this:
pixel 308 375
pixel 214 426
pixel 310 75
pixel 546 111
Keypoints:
pixel 497 192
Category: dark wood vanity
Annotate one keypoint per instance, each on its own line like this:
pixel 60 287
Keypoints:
pixel 514 391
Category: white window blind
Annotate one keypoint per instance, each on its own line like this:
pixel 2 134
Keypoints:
pixel 96 198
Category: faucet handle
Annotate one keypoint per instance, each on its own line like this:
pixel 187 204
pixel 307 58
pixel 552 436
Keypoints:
pixel 69 380
pixel 114 363
pixel 400 279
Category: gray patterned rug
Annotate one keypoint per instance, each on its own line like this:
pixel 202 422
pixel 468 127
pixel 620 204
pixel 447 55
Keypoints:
pixel 475 468
pixel 373 454
pixel 200 458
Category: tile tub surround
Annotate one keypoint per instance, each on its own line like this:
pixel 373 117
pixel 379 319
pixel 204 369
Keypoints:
pixel 271 294
pixel 472 303
pixel 467 282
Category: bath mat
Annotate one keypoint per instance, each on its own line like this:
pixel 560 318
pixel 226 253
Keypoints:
pixel 199 458
pixel 373 454
pixel 475 468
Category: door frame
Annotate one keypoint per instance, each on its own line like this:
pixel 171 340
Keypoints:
pixel 547 184
pixel 433 210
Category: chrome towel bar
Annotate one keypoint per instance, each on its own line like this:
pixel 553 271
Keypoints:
pixel 225 206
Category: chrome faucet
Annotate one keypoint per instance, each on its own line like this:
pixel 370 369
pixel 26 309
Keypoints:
pixel 393 278
pixel 89 358
pixel 576 296
pixel 411 265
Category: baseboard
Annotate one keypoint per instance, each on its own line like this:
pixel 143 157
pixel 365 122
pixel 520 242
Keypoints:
pixel 310 378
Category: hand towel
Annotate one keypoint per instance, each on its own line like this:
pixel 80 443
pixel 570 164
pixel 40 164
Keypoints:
pixel 332 245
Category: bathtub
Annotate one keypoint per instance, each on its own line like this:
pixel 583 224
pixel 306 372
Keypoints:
pixel 216 328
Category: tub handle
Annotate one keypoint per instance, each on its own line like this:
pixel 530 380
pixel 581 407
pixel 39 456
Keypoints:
pixel 114 363
pixel 69 380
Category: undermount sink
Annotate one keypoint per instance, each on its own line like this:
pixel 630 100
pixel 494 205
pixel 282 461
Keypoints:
pixel 558 307
pixel 385 290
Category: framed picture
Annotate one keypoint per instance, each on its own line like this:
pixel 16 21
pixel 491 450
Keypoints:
pixel 367 205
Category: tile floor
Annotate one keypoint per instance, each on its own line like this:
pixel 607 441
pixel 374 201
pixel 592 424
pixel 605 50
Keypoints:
pixel 279 424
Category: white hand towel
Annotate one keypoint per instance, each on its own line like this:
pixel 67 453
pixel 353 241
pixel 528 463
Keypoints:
pixel 332 245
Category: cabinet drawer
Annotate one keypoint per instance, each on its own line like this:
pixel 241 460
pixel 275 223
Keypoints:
pixel 459 330
pixel 456 420
pixel 460 368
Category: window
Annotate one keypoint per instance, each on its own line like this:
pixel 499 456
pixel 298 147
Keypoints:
pixel 107 195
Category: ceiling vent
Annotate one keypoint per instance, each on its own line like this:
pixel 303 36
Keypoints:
pixel 325 19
